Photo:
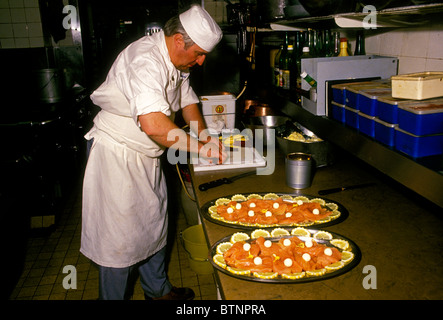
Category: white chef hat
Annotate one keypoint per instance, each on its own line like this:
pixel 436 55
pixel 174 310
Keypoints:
pixel 200 26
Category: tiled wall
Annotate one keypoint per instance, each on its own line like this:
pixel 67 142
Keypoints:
pixel 21 27
pixel 217 9
pixel 20 24
pixel 418 49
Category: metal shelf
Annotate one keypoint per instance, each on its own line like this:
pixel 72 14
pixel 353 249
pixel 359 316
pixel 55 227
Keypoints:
pixel 413 175
pixel 410 16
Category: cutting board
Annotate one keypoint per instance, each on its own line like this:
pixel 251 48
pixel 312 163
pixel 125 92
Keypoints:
pixel 238 158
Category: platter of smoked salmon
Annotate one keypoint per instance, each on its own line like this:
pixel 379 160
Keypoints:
pixel 268 210
pixel 284 255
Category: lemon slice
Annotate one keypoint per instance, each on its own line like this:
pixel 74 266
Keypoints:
pixel 270 196
pixel 239 236
pixel 277 232
pixel 238 197
pixel 339 243
pixel 221 201
pixel 322 235
pixel 287 197
pixel 316 273
pixel 331 206
pixel 304 199
pixel 347 256
pixel 305 224
pixel 254 196
pixel 320 201
pixel 219 260
pixel 212 210
pixel 293 276
pixel 335 214
pixel 216 216
pixel 265 275
pixel 260 233
pixel 323 220
pixel 300 232
pixel 223 247
pixel 238 271
pixel 335 266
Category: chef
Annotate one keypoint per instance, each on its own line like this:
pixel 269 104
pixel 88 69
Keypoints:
pixel 124 219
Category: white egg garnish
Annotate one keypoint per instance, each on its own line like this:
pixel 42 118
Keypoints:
pixel 328 252
pixel 257 261
pixel 230 210
pixel 275 205
pixel 268 214
pixel 306 257
pixel 268 244
pixel 308 243
pixel 286 242
pixel 252 205
pixel 299 202
pixel 238 206
pixel 288 215
pixel 246 247
pixel 251 213
pixel 288 262
pixel 315 211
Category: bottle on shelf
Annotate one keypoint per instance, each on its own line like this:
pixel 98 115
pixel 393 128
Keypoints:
pixel 360 44
pixel 277 67
pixel 306 53
pixel 328 43
pixel 283 57
pixel 286 65
pixel 335 44
pixel 343 47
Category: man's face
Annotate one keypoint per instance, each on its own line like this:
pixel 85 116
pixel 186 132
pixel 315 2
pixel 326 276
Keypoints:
pixel 187 58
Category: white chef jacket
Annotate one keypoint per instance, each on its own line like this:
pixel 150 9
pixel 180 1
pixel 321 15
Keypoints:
pixel 124 217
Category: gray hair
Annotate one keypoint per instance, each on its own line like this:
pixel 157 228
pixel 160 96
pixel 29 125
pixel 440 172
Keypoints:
pixel 174 26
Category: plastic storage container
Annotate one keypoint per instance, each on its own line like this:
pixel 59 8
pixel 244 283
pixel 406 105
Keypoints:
pixel 338 112
pixel 351 117
pixel 384 132
pixel 387 108
pixel 421 118
pixel 353 92
pixel 367 100
pixel 418 86
pixel 366 124
pixel 219 108
pixel 418 146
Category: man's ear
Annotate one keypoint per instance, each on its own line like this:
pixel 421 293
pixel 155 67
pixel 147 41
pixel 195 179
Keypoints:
pixel 178 40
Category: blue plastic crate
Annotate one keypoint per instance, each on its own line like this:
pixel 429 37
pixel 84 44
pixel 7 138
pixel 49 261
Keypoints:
pixel 421 118
pixel 387 108
pixel 338 112
pixel 367 101
pixel 366 124
pixel 384 132
pixel 418 146
pixel 351 117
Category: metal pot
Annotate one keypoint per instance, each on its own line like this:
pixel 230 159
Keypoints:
pixel 49 85
pixel 267 125
pixel 322 151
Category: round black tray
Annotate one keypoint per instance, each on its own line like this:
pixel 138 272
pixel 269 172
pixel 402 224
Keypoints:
pixel 205 213
pixel 250 277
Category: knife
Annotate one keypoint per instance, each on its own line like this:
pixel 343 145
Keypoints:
pixel 215 183
pixel 356 186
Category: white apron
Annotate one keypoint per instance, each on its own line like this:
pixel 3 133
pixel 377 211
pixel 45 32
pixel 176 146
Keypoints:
pixel 124 218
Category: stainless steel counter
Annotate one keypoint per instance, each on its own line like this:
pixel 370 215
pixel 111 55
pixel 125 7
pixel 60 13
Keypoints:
pixel 401 238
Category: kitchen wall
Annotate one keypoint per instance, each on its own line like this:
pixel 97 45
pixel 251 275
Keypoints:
pixel 418 49
pixel 21 27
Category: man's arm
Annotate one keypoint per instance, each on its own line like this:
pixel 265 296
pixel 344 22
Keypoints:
pixel 158 126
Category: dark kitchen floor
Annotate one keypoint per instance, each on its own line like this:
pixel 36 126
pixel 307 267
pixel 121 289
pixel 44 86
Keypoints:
pixel 47 255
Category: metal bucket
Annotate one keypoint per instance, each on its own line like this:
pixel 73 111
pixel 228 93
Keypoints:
pixel 49 85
